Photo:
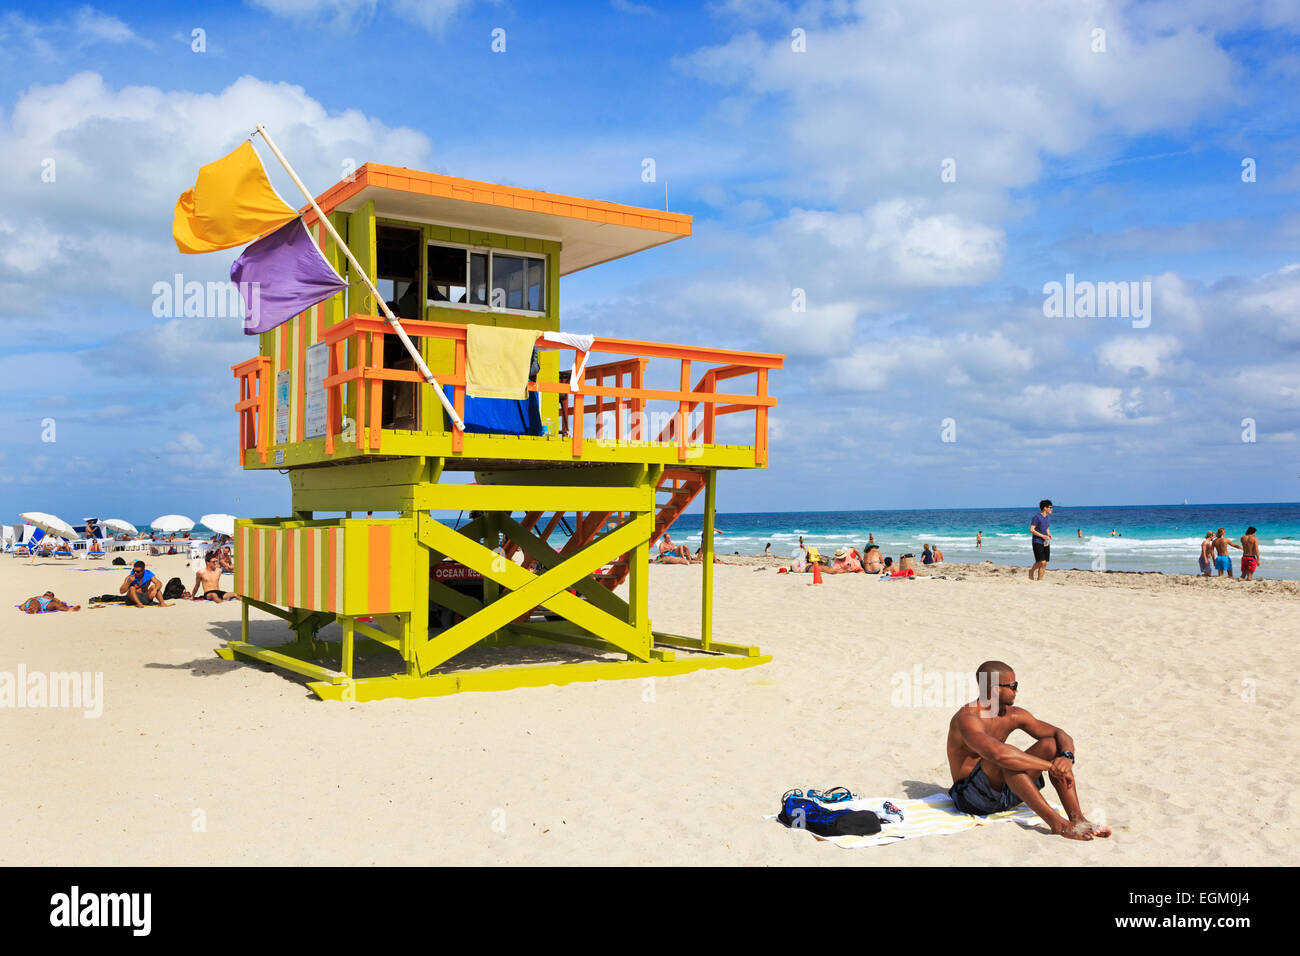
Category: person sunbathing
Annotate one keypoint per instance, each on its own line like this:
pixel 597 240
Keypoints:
pixel 142 587
pixel 872 562
pixel 666 546
pixel 96 547
pixel 665 558
pixel 207 582
pixel 46 602
pixel 989 775
pixel 844 562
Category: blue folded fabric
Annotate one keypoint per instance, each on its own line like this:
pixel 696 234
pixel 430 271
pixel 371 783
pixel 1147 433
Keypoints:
pixel 501 416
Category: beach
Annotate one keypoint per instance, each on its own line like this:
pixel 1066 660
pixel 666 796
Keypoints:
pixel 1179 693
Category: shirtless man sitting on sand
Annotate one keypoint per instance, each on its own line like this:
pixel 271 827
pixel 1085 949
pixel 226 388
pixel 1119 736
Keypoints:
pixel 207 582
pixel 989 775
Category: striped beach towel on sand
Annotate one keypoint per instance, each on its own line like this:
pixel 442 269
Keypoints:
pixel 928 816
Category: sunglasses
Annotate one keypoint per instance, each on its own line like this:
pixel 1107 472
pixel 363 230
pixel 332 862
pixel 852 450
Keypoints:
pixel 1014 685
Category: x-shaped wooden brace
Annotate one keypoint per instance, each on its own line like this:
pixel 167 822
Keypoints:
pixel 528 590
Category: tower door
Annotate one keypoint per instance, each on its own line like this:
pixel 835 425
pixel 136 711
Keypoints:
pixel 397 274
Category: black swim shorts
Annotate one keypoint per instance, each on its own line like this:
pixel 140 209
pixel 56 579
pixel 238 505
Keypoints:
pixel 1042 552
pixel 975 794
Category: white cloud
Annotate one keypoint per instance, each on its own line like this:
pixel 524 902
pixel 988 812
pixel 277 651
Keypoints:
pixel 924 364
pixel 64 37
pixel 1076 405
pixel 1148 354
pixel 432 15
pixel 882 99
pixel 148 143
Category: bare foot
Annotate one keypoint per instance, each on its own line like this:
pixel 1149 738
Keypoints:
pixel 75 607
pixel 1084 830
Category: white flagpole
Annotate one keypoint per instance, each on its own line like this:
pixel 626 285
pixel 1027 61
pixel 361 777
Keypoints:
pixel 392 319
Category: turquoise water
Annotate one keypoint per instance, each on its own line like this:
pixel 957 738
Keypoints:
pixel 1149 537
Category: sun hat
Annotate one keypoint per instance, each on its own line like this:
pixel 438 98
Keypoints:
pixel 842 553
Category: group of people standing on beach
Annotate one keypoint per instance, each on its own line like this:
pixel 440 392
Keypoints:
pixel 1214 548
pixel 1214 554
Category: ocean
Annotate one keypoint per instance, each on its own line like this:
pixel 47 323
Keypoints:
pixel 1147 537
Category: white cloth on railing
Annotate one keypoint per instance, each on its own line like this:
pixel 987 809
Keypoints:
pixel 581 343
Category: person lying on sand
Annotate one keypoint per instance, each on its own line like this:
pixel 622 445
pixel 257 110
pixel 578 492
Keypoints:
pixel 207 582
pixel 46 602
pixel 142 587
pixel 844 562
pixel 673 559
pixel 989 775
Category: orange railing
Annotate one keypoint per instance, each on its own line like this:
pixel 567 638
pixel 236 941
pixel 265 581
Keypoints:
pixel 616 387
pixel 254 405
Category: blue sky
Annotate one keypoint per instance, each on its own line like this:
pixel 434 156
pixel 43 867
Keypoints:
pixel 818 170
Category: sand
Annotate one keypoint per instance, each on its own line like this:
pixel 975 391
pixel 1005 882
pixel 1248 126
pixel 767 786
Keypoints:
pixel 1179 693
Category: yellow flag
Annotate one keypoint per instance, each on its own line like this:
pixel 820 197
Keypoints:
pixel 232 203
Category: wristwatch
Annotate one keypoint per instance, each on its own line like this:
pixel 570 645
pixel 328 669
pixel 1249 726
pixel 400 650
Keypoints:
pixel 1067 753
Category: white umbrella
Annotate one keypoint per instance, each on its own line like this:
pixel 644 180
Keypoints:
pixel 120 526
pixel 171 524
pixel 221 524
pixel 50 524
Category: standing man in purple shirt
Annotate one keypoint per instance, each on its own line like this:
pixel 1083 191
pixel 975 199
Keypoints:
pixel 1041 535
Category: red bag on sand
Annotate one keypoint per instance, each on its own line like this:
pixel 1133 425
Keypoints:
pixel 905 573
pixel 782 570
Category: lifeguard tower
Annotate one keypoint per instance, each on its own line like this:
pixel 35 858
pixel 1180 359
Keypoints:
pixel 610 450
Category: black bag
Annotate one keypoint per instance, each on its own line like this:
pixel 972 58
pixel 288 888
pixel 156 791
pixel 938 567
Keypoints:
pixel 855 823
pixel 173 590
pixel 799 812
pixel 120 561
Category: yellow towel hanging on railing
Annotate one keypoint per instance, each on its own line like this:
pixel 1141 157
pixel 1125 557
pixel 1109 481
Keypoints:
pixel 497 361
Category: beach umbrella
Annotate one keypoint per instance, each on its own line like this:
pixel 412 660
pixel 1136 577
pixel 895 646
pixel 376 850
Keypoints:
pixel 221 524
pixel 120 526
pixel 171 524
pixel 50 524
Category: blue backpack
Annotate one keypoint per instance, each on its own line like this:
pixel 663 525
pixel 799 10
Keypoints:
pixel 801 813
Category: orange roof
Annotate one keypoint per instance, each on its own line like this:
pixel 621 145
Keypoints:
pixel 590 230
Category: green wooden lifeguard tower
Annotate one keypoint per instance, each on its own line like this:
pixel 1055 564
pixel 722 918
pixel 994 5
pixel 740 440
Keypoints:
pixel 612 449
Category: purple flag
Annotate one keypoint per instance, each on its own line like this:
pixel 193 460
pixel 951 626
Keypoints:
pixel 282 274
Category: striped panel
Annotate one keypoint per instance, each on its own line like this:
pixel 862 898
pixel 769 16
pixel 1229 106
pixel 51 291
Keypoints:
pixel 291 576
pixel 313 564
pixel 335 599
pixel 379 592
